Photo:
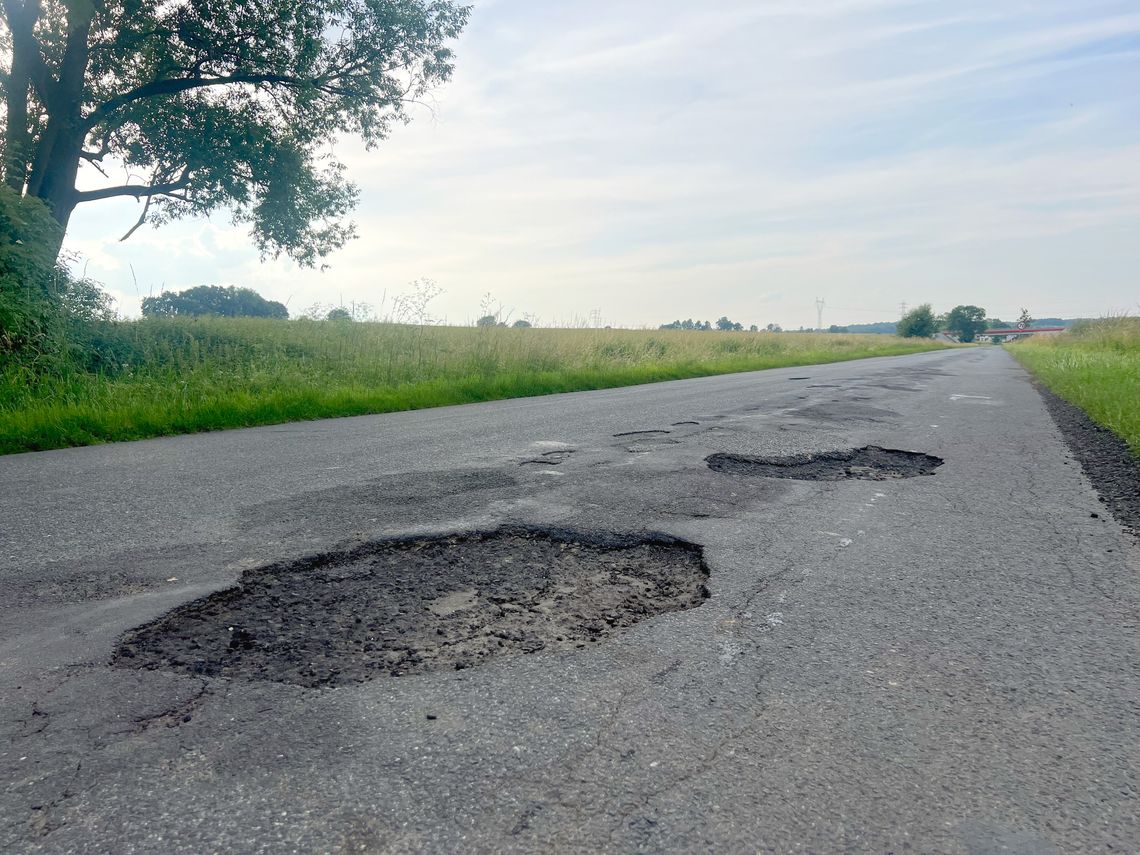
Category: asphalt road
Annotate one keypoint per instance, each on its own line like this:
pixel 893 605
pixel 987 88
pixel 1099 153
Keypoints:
pixel 945 663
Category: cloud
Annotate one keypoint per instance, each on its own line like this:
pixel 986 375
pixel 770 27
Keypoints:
pixel 670 159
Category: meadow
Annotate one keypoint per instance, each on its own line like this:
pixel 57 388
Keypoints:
pixel 154 377
pixel 1096 367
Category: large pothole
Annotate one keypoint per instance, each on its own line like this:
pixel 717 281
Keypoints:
pixel 413 606
pixel 870 463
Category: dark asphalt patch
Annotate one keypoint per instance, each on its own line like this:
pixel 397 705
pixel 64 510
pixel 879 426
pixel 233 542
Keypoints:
pixel 414 606
pixel 839 411
pixel 550 458
pixel 893 387
pixel 395 500
pixel 1104 456
pixel 867 464
pixel 642 433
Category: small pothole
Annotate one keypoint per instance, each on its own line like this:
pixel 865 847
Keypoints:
pixel 414 606
pixel 870 463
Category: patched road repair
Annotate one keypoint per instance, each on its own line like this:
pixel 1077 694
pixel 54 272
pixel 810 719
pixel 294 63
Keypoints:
pixel 869 606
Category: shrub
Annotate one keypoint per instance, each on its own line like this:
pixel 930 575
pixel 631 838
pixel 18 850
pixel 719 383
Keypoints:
pixel 918 323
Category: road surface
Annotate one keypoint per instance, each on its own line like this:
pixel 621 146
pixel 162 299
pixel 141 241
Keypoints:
pixel 945 663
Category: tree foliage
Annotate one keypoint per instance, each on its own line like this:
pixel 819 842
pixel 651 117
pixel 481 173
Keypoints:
pixel 213 104
pixel 228 302
pixel 918 323
pixel 966 321
pixel 41 303
pixel 687 324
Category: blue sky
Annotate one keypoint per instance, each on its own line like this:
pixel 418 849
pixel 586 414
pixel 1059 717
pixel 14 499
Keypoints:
pixel 655 160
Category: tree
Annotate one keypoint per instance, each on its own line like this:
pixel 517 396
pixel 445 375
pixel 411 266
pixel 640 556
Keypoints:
pixel 487 321
pixel 966 321
pixel 217 103
pixel 773 328
pixel 1024 321
pixel 918 323
pixel 521 323
pixel 340 313
pixel 726 325
pixel 228 302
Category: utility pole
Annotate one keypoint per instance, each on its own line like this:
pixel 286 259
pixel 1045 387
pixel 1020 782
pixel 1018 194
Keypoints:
pixel 596 318
pixel 819 304
pixel 902 308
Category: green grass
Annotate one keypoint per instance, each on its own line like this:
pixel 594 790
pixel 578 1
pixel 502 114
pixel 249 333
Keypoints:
pixel 157 377
pixel 1096 367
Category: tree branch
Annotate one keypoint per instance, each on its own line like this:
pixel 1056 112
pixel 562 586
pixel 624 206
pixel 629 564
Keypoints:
pixel 95 156
pixel 184 84
pixel 136 190
pixel 141 220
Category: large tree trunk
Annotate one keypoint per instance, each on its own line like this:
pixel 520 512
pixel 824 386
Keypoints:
pixel 56 162
pixel 56 169
pixel 17 140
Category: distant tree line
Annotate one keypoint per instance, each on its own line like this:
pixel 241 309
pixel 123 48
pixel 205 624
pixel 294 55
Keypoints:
pixel 227 302
pixel 965 322
pixel 723 324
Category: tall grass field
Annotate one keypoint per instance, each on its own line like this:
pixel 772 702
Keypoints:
pixel 154 377
pixel 1096 367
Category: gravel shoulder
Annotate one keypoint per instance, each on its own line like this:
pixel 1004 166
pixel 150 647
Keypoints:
pixel 1106 459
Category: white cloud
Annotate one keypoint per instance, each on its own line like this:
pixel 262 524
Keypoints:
pixel 655 160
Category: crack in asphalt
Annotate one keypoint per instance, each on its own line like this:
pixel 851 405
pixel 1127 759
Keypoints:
pixel 40 819
pixel 180 713
pixel 704 764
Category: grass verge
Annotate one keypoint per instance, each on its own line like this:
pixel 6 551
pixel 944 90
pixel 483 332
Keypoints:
pixel 159 377
pixel 1096 367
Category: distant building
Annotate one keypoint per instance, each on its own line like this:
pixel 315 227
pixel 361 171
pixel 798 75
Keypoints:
pixel 998 336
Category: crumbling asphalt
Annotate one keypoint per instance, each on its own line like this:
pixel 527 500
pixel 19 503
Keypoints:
pixel 417 605
pixel 944 663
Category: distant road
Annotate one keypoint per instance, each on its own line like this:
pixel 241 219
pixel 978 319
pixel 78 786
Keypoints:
pixel 943 663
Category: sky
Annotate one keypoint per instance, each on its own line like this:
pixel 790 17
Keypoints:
pixel 632 162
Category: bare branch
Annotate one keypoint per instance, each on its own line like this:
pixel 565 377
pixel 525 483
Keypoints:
pixel 141 220
pixel 168 188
